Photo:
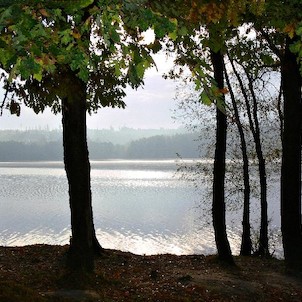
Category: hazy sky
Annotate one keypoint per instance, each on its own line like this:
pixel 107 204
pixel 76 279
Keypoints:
pixel 148 107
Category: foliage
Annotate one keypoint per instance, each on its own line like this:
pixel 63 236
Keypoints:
pixel 100 41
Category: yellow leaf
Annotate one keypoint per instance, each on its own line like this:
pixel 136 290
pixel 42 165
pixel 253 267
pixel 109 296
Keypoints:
pixel 290 29
pixel 76 34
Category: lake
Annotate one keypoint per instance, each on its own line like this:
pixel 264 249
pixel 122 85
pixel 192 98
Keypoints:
pixel 139 206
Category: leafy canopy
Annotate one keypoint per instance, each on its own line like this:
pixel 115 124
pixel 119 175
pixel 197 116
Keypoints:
pixel 100 41
pixel 214 25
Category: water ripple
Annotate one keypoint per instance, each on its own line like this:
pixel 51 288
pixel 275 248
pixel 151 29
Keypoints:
pixel 143 209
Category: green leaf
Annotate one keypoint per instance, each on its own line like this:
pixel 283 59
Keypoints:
pixel 205 99
pixel 5 56
pixel 173 35
pixel 182 31
pixel 159 31
pixel 221 104
pixel 66 36
pixel 38 76
pixel 296 47
pixel 299 30
pixel 83 74
pixel 114 36
pixel 117 69
pixel 140 70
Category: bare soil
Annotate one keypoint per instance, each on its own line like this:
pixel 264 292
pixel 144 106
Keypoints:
pixel 37 274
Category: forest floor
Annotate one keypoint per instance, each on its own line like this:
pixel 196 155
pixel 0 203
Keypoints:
pixel 37 274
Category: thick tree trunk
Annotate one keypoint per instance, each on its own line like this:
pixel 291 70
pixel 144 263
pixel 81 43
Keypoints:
pixel 291 160
pixel 83 242
pixel 218 207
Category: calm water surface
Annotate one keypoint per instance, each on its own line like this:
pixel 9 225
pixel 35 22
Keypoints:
pixel 139 206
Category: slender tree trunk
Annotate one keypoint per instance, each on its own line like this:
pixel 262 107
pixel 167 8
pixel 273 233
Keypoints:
pixel 218 207
pixel 263 249
pixel 83 242
pixel 246 242
pixel 291 160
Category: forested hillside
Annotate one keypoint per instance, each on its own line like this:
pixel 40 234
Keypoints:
pixel 125 143
pixel 35 145
pixel 116 136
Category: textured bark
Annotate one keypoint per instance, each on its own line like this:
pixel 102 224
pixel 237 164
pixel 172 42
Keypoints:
pixel 218 207
pixel 291 160
pixel 83 242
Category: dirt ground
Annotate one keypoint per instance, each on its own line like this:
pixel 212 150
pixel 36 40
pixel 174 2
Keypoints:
pixel 37 273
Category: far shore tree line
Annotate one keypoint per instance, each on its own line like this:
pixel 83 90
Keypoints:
pixel 79 56
pixel 154 147
pixel 43 145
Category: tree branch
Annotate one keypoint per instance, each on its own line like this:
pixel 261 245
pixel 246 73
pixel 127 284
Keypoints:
pixel 272 45
pixel 4 101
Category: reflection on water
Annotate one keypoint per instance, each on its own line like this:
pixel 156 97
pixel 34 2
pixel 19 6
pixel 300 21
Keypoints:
pixel 139 206
pixel 138 243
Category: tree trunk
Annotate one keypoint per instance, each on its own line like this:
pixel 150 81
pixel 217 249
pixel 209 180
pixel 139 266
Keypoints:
pixel 83 242
pixel 246 242
pixel 291 160
pixel 263 249
pixel 218 207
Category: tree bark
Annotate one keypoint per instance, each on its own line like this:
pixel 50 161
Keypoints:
pixel 246 242
pixel 83 243
pixel 263 249
pixel 291 160
pixel 218 207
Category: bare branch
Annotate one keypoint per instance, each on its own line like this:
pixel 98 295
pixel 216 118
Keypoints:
pixel 4 101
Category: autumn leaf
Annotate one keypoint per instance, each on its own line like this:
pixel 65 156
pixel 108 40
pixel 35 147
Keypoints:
pixel 43 12
pixel 290 29
pixel 223 90
pixel 76 34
